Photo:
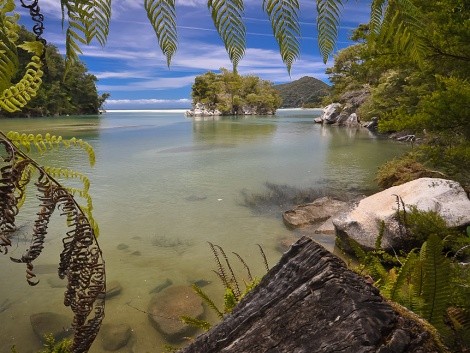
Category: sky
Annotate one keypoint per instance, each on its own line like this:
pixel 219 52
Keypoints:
pixel 131 68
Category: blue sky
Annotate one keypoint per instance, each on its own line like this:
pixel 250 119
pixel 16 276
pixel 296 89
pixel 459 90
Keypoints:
pixel 132 69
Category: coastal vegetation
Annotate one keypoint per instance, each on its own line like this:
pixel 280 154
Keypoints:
pixel 425 97
pixel 234 94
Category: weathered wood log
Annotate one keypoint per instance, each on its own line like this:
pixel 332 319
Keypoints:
pixel 310 302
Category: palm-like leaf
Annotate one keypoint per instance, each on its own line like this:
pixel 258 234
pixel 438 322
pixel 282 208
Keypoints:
pixel 327 25
pixel 227 17
pixel 399 23
pixel 162 16
pixel 283 15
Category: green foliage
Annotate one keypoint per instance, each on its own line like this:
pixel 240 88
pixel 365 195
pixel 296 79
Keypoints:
pixel 51 346
pixel 81 259
pixel 286 29
pixel 233 94
pixel 428 282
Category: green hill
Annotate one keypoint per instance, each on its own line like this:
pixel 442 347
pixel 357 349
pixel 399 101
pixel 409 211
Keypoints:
pixel 304 92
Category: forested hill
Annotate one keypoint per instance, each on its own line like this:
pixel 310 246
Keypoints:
pixel 305 92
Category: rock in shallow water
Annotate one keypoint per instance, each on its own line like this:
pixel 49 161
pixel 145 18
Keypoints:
pixel 166 308
pixel 115 336
pixel 51 323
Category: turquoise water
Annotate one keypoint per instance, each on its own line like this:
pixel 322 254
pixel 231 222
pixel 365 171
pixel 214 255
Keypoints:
pixel 164 185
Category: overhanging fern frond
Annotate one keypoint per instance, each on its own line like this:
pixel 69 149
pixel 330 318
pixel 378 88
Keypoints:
pixel 227 18
pixel 401 24
pixel 8 53
pixel 14 98
pixel 328 13
pixel 284 18
pixel 162 17
pixel 101 17
pixel 377 12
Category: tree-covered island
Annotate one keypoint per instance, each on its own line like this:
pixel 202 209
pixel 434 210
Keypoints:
pixel 229 93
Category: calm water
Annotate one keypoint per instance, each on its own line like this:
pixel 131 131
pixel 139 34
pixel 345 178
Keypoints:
pixel 163 186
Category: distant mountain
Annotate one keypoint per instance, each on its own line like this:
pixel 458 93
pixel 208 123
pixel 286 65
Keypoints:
pixel 304 92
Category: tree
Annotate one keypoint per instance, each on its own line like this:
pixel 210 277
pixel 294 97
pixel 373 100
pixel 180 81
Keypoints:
pixel 233 94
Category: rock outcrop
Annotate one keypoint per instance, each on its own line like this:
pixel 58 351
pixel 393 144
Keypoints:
pixel 166 308
pixel 363 223
pixel 317 211
pixel 339 114
pixel 310 302
pixel 115 336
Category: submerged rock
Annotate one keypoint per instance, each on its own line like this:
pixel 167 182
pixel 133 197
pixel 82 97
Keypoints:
pixel 166 308
pixel 317 211
pixel 161 286
pixel 113 289
pixel 115 336
pixel 363 223
pixel 51 323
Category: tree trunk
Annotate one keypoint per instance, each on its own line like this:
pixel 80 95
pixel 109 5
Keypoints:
pixel 310 302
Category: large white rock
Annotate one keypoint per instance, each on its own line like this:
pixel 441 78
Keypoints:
pixel 362 224
pixel 331 112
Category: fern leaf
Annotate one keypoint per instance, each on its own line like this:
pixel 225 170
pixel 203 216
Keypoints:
pixel 207 300
pixel 436 285
pixel 17 96
pixel 327 25
pixel 227 18
pixel 8 54
pixel 377 13
pixel 284 18
pixel 101 18
pixel 191 321
pixel 401 26
pixel 162 17
pixel 404 276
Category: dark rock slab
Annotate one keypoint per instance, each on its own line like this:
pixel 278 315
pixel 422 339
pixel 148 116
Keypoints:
pixel 115 336
pixel 310 302
pixel 166 308
pixel 51 323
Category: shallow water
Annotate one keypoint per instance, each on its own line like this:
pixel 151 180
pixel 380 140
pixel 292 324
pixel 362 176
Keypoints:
pixel 164 185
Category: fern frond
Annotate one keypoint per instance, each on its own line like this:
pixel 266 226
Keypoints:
pixel 227 18
pixel 403 276
pixel 162 17
pixel 191 321
pixel 101 17
pixel 17 96
pixel 401 26
pixel 207 300
pixel 230 300
pixel 263 255
pixel 42 143
pixel 436 286
pixel 284 18
pixel 377 12
pixel 8 54
pixel 327 25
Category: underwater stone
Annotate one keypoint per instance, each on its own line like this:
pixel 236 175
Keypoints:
pixel 113 289
pixel 115 336
pixel 51 323
pixel 122 246
pixel 161 286
pixel 166 308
